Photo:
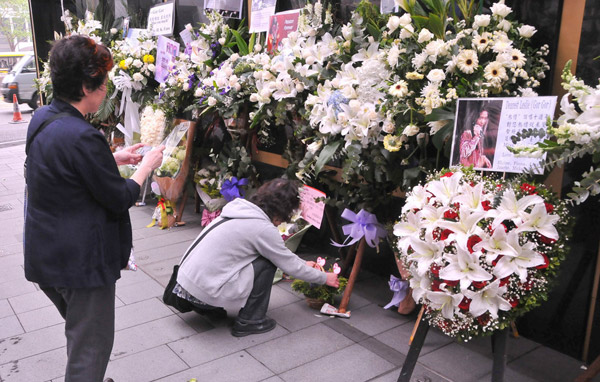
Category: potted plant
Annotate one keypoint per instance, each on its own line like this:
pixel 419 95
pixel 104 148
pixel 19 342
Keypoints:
pixel 316 295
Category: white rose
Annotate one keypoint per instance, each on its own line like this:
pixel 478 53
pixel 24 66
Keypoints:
pixel 222 41
pixel 393 23
pixel 113 30
pixel 425 35
pixel 138 77
pixel 410 130
pixel 234 57
pixel 407 32
pixel 347 32
pixel 189 27
pixel 526 31
pixel 257 48
pixel 138 63
pixel 481 21
pixel 212 101
pixel 354 104
pixel 151 67
pixel 198 93
pixel 186 86
pixel 405 19
pixel 237 86
pixel 253 97
pixel 500 9
pixel 128 61
pixel 436 75
pixel 504 25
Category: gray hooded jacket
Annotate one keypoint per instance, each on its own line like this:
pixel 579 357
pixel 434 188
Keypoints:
pixel 219 271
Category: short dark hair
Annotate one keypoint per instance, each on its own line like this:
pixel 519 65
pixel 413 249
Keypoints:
pixel 278 198
pixel 78 61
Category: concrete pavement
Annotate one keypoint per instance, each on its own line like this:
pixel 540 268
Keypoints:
pixel 154 343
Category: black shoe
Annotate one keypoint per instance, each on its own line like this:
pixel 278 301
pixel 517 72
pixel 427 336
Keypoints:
pixel 109 380
pixel 213 313
pixel 243 327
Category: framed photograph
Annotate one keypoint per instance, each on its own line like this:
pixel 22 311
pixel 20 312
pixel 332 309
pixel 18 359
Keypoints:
pixel 483 128
pixel 280 25
pixel 231 9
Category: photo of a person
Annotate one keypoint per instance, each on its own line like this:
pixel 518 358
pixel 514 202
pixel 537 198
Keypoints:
pixel 272 39
pixel 475 133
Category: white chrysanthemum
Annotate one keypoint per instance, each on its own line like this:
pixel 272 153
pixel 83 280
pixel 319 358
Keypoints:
pixel 467 61
pixel 152 126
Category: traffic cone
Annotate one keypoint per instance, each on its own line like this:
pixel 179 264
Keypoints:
pixel 16 112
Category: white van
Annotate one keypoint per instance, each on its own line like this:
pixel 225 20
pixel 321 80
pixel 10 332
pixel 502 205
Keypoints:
pixel 20 81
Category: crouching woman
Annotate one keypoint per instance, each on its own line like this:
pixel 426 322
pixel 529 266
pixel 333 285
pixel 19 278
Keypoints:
pixel 233 265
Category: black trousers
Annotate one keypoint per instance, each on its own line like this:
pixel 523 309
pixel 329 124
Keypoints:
pixel 89 315
pixel 258 301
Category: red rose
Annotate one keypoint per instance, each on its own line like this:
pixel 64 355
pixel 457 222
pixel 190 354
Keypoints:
pixel 447 175
pixel 504 281
pixel 487 205
pixel 450 215
pixel 546 240
pixel 474 239
pixel 445 233
pixel 451 283
pixel 465 304
pixel 497 259
pixel 484 319
pixel 549 207
pixel 435 286
pixel 436 234
pixel 514 301
pixel 435 269
pixel 479 284
pixel 546 262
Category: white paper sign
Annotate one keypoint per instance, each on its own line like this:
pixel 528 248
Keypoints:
pixel 186 37
pixel 484 126
pixel 161 19
pixel 388 6
pixel 166 51
pixel 261 10
pixel 312 211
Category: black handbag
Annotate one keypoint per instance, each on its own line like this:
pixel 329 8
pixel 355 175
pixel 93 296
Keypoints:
pixel 172 299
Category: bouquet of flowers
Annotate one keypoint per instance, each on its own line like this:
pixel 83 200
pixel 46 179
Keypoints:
pixel 317 295
pixel 437 55
pixel 480 251
pixel 153 126
pixel 577 134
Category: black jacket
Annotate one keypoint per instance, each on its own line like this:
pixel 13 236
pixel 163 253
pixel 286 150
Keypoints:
pixel 77 227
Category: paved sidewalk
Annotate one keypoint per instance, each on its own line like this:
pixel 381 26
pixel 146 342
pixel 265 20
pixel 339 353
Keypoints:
pixel 153 343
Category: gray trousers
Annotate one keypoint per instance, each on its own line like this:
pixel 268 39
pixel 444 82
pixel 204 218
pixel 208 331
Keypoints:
pixel 89 315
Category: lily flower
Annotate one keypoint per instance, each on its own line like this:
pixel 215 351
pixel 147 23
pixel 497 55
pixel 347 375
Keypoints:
pixel 499 243
pixel 464 267
pixel 539 220
pixel 488 299
pixel 512 209
pixel 425 253
pixel 466 224
pixel 445 188
pixel 471 196
pixel 416 199
pixel 444 301
pixel 526 257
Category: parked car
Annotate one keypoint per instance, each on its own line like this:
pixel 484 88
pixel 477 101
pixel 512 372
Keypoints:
pixel 20 81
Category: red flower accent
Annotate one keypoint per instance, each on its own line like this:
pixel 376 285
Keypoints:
pixel 546 240
pixel 479 284
pixel 435 269
pixel 546 262
pixel 450 215
pixel 484 319
pixel 451 283
pixel 514 301
pixel 528 188
pixel 504 281
pixel 527 285
pixel 472 241
pixel 436 234
pixel 497 259
pixel 549 207
pixel 435 286
pixel 465 304
pixel 487 205
pixel 445 233
pixel 447 175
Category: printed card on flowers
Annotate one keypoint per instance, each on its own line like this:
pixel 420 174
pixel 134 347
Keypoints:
pixel 483 128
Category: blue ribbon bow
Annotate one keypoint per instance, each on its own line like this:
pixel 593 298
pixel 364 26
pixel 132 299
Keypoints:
pixel 363 224
pixel 231 188
pixel 400 289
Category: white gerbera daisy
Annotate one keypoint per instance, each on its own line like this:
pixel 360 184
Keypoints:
pixel 467 61
pixel 482 42
pixel 517 58
pixel 399 89
pixel 495 73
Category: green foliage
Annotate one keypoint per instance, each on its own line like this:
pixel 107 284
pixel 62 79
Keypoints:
pixel 319 292
pixel 16 27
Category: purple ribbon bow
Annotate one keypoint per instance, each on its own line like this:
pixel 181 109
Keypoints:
pixel 231 188
pixel 400 289
pixel 363 224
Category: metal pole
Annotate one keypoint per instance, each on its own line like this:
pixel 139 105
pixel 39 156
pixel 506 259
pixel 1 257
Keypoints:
pixel 499 340
pixel 414 350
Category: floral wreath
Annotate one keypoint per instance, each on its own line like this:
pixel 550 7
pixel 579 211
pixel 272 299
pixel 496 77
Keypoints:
pixel 481 251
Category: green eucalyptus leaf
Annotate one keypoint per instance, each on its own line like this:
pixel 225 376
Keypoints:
pixel 325 155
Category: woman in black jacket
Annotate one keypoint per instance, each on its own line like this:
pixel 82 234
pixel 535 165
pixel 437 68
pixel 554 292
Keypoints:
pixel 77 229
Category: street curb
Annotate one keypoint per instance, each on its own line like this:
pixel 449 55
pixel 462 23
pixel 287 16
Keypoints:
pixel 12 143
